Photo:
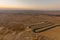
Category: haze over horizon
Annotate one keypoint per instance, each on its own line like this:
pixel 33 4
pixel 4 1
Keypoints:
pixel 30 4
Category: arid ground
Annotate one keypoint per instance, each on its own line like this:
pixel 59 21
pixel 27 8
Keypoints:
pixel 18 26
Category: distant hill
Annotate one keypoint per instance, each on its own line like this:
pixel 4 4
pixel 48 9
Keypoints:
pixel 36 12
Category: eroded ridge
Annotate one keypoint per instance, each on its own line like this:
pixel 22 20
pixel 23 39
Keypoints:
pixel 43 26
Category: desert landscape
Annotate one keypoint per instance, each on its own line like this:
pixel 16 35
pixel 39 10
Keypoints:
pixel 29 19
pixel 30 25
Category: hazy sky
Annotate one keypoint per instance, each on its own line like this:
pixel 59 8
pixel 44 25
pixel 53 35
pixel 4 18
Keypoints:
pixel 31 4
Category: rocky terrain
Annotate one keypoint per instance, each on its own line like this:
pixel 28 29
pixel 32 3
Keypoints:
pixel 22 27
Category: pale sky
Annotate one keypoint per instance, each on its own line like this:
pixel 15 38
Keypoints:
pixel 31 4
